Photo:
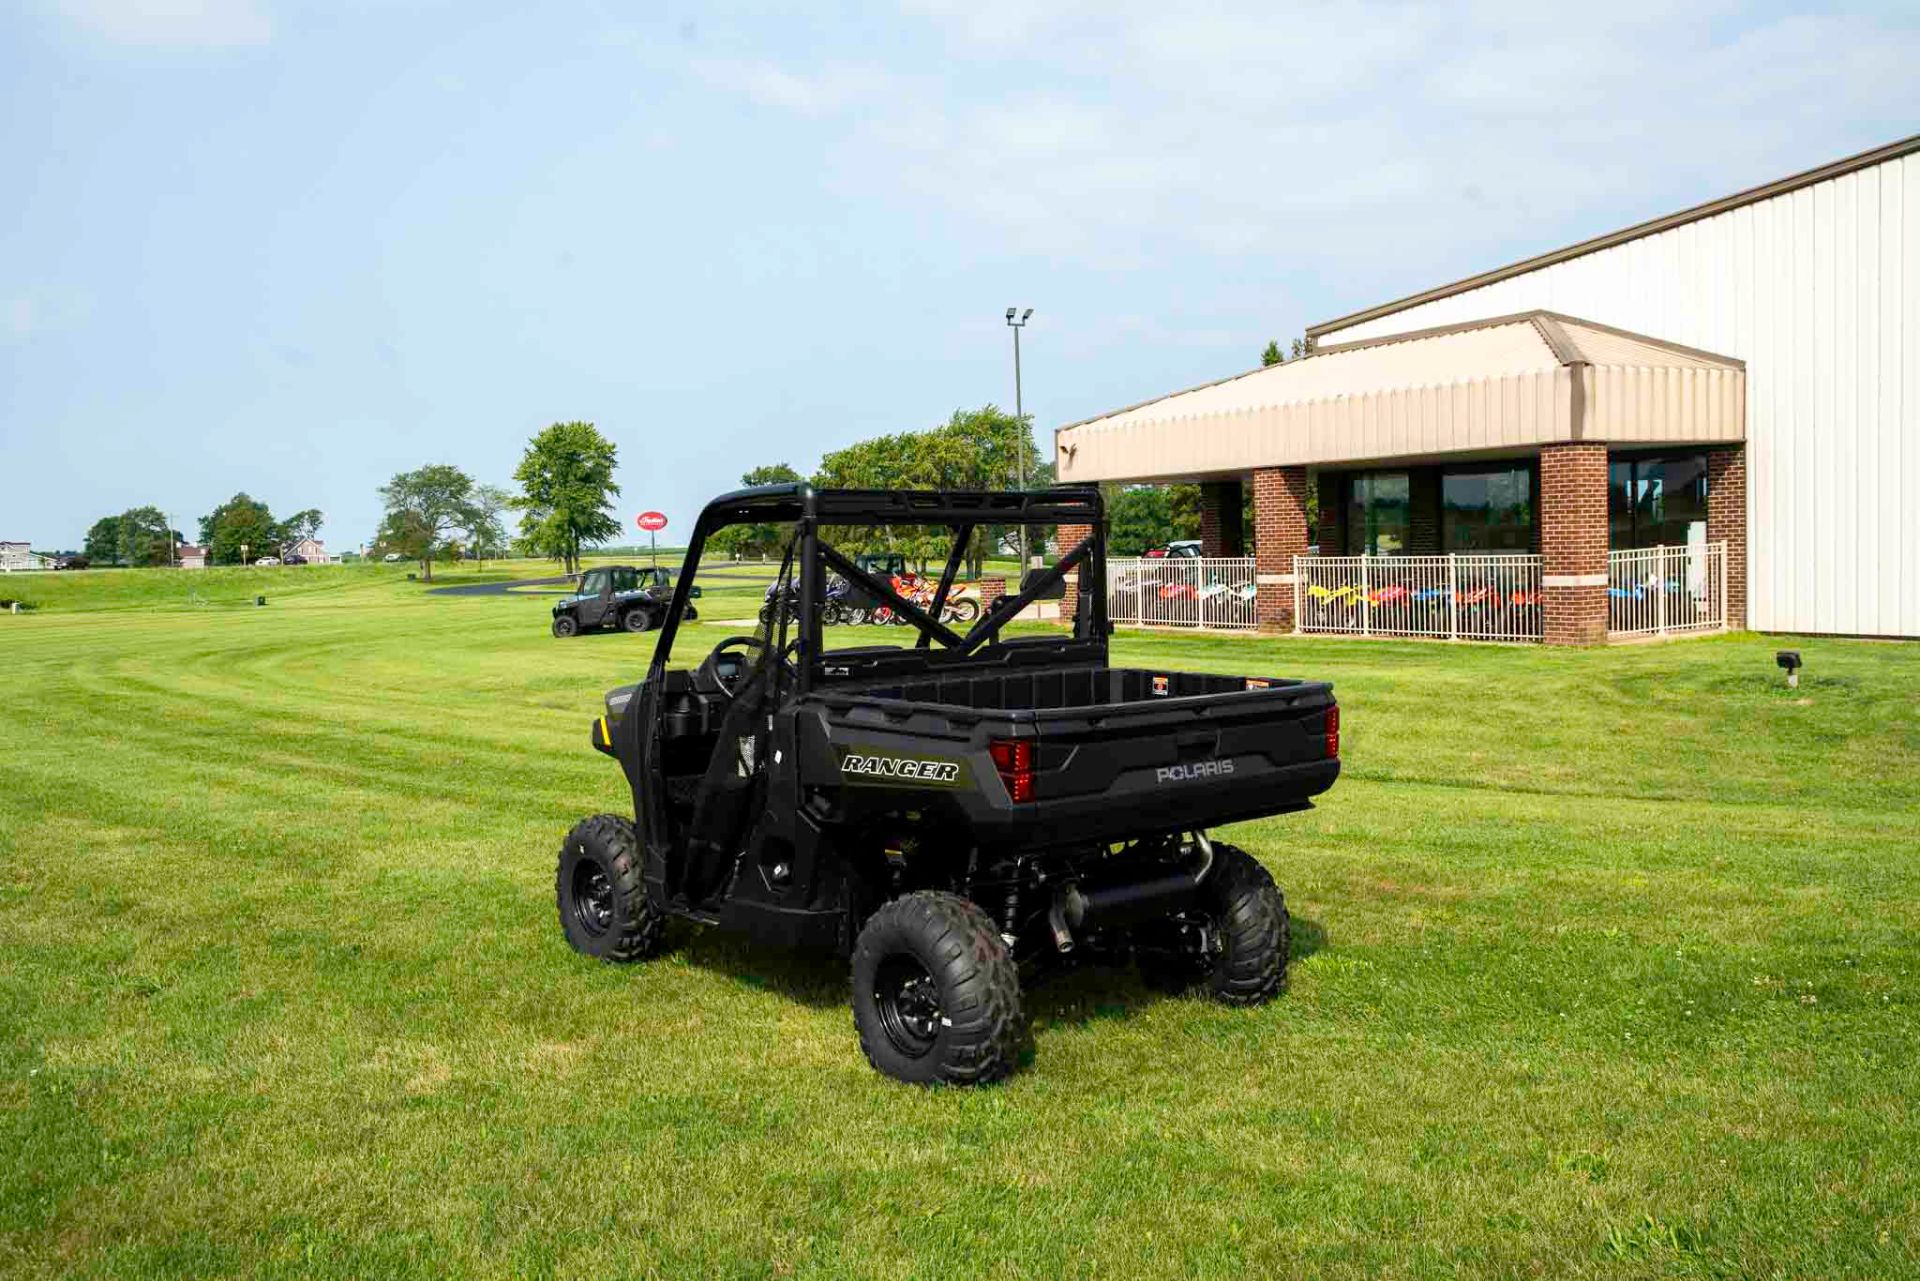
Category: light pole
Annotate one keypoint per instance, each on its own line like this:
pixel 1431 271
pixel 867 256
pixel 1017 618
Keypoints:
pixel 1019 412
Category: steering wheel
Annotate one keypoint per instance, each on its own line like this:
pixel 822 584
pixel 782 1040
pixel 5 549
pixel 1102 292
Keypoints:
pixel 710 678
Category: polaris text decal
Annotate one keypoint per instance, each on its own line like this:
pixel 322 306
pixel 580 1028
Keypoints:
pixel 1194 770
pixel 860 766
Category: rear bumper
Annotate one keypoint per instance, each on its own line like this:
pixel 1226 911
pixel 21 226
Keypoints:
pixel 1140 803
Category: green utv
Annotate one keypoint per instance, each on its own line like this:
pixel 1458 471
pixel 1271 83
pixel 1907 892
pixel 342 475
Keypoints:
pixel 951 812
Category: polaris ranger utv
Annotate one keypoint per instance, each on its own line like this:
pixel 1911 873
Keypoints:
pixel 950 811
pixel 622 596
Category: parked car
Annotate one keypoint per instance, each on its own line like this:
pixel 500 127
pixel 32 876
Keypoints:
pixel 948 815
pixel 392 557
pixel 293 558
pixel 266 562
pixel 1185 547
pixel 622 596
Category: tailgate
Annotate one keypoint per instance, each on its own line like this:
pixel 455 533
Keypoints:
pixel 1186 759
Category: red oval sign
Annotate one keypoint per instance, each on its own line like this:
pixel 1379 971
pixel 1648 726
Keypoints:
pixel 651 521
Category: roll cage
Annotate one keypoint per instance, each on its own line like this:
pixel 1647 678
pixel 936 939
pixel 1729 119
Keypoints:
pixel 810 510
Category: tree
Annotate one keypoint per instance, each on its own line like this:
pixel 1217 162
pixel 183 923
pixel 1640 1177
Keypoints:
pixel 974 449
pixel 425 509
pixel 756 540
pixel 145 538
pixel 300 525
pixel 103 541
pixel 489 531
pixel 241 522
pixel 567 491
pixel 771 474
pixel 1274 356
pixel 1139 517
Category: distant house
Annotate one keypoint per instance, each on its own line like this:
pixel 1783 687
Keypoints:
pixel 191 557
pixel 16 557
pixel 312 549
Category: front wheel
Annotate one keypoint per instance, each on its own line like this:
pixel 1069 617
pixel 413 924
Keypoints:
pixel 564 625
pixel 964 610
pixel 601 895
pixel 936 993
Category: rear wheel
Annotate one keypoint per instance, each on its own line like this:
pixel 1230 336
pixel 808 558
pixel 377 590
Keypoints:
pixel 565 625
pixel 602 898
pixel 936 993
pixel 1239 939
pixel 638 619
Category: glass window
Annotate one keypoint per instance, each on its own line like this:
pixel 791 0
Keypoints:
pixel 1487 511
pixel 594 583
pixel 1377 513
pixel 626 580
pixel 1657 501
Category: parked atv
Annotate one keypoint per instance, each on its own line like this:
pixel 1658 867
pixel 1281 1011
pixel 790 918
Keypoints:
pixel 622 596
pixel 956 816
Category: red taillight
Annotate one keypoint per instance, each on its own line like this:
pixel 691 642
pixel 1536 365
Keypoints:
pixel 1333 732
pixel 1013 758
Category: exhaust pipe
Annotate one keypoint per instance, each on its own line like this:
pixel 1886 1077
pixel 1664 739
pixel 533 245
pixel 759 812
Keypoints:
pixel 1129 904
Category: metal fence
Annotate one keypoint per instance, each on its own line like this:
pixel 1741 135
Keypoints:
pixel 1458 597
pixel 1182 591
pixel 1654 591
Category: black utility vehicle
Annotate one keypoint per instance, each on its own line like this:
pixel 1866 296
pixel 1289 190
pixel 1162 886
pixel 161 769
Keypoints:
pixel 951 812
pixel 622 596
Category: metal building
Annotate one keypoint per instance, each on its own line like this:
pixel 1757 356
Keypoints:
pixel 1727 425
pixel 1814 282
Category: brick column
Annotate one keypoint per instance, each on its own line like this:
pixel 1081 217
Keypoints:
pixel 1331 489
pixel 1727 522
pixel 1069 537
pixel 1573 543
pixel 1220 533
pixel 1279 534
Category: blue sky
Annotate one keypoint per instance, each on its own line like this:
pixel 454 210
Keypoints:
pixel 293 248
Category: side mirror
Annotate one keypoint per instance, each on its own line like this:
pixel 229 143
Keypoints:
pixel 693 593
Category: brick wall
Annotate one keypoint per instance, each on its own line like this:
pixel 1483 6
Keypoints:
pixel 1069 537
pixel 1279 534
pixel 1727 522
pixel 1573 543
pixel 1220 532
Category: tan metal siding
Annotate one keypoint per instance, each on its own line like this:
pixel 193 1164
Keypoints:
pixel 1818 290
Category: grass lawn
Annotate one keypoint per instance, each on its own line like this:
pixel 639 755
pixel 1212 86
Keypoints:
pixel 1606 965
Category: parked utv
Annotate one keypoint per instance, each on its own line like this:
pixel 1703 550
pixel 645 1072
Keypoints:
pixel 622 596
pixel 952 814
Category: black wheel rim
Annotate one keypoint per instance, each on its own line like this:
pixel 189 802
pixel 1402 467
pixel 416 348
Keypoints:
pixel 592 897
pixel 908 1001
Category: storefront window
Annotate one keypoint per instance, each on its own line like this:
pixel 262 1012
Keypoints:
pixel 1377 513
pixel 1487 511
pixel 1658 500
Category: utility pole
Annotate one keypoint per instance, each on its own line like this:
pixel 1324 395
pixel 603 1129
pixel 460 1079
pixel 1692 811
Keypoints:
pixel 1020 444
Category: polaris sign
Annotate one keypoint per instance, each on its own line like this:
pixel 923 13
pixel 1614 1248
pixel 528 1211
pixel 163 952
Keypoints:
pixel 1190 772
